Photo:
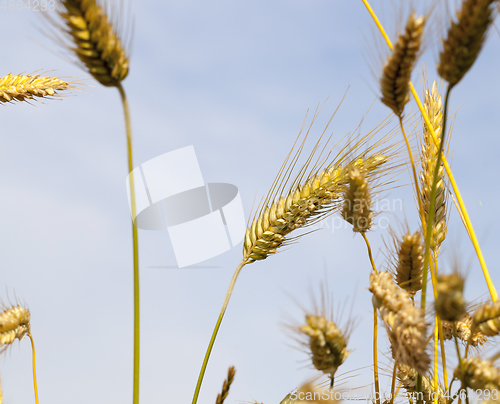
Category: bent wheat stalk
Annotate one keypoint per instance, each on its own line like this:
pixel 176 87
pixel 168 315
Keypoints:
pixel 300 201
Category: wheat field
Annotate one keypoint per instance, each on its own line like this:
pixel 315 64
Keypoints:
pixel 235 80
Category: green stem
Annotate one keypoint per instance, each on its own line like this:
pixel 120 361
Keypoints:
pixel 128 129
pixel 216 330
pixel 430 219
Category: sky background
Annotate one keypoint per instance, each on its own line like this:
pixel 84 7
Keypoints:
pixel 235 80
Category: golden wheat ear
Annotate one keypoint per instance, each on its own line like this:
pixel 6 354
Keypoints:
pixel 478 374
pixel 450 304
pixel 429 155
pixel 24 87
pixel 95 40
pixel 405 323
pixel 14 324
pixel 408 261
pixel 408 379
pixel 301 200
pixel 396 75
pixel 464 331
pixel 465 39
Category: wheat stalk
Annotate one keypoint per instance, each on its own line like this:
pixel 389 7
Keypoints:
pixel 24 87
pixel 397 70
pixel 95 40
pixel 465 39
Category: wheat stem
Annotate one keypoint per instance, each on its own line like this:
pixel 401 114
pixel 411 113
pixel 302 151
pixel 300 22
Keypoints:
pixel 128 128
pixel 393 384
pixel 410 154
pixel 216 330
pixel 34 368
pixel 436 358
pixel 369 252
pixel 464 214
pixel 441 337
pixel 375 361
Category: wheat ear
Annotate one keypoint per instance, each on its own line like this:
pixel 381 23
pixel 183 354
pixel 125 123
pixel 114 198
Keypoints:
pixel 409 262
pixel 96 41
pixel 408 378
pixel 405 323
pixel 450 304
pixel 226 385
pixel 327 344
pixel 24 87
pixel 478 374
pixel 429 151
pixel 397 70
pixel 465 39
pixel 14 324
pixel 464 331
pixel 486 319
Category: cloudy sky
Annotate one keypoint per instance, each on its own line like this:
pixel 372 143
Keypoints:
pixel 235 80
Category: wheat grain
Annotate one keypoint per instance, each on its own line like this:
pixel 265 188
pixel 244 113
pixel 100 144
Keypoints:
pixel 24 87
pixel 96 41
pixel 14 324
pixel 397 70
pixel 465 39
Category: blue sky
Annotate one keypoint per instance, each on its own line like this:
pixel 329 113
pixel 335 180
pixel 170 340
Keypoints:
pixel 235 80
